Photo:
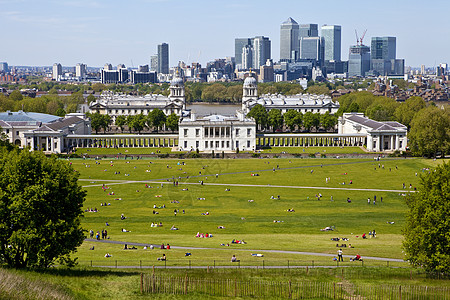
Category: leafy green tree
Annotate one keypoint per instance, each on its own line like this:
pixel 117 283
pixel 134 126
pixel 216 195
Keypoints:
pixel 15 95
pixel 382 109
pixel 105 122
pixel 216 91
pixel 328 121
pixel 406 111
pixel 292 118
pixel 311 120
pixel 156 118
pixel 98 121
pixel 172 122
pixel 53 91
pixel 98 87
pixel 426 233
pixel 90 98
pixel 71 108
pixel 318 90
pixel 430 132
pixel 260 115
pixel 121 121
pixel 40 210
pixel 60 112
pixel 275 119
pixel 137 122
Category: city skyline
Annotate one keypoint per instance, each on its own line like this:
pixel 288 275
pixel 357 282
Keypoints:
pixel 41 33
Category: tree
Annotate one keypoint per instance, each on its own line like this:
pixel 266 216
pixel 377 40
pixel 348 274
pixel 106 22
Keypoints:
pixel 311 120
pixel 105 122
pixel 292 118
pixel 15 95
pixel 172 122
pixel 426 241
pixel 97 121
pixel 40 210
pixel 430 132
pixel 137 122
pixel 156 118
pixel 328 121
pixel 90 98
pixel 275 118
pixel 121 121
pixel 406 111
pixel 260 115
pixel 382 109
pixel 318 89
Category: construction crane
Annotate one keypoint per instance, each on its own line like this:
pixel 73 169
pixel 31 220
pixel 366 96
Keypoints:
pixel 359 40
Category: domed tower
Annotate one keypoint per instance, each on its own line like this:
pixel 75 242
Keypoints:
pixel 177 91
pixel 249 93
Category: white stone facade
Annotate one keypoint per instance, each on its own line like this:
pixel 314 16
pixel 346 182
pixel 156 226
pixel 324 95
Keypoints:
pixel 217 133
pixel 119 104
pixel 381 136
pixel 302 102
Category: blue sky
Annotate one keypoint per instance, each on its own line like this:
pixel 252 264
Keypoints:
pixel 41 32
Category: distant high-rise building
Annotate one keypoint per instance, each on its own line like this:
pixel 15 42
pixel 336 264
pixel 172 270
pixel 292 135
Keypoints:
pixel 163 58
pixel 57 71
pixel 240 43
pixel 383 57
pixel 310 48
pixel 383 48
pixel 422 69
pixel 154 63
pixel 261 51
pixel 331 38
pixel 266 72
pixel 358 60
pixel 308 30
pixel 80 71
pixel 289 43
pixel 4 67
pixel 247 57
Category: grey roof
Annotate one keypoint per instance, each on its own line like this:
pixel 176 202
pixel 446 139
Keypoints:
pixel 375 125
pixel 21 116
pixel 64 123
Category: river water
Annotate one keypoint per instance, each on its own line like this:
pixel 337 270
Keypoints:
pixel 203 109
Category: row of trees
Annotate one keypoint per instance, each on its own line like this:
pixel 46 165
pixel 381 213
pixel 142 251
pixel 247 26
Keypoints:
pixel 156 119
pixel 292 119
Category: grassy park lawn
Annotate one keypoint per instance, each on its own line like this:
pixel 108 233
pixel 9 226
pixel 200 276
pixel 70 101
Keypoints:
pixel 123 151
pixel 313 150
pixel 296 181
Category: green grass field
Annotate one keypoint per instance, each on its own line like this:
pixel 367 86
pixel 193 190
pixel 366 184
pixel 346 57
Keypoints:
pixel 296 181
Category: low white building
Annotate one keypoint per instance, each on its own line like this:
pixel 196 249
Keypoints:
pixel 218 133
pixel 302 102
pixel 42 131
pixel 119 104
pixel 381 136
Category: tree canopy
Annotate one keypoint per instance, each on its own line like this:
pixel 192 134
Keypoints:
pixel 260 115
pixel 427 228
pixel 40 210
pixel 430 132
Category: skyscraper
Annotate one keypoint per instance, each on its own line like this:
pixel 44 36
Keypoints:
pixel 247 57
pixel 308 30
pixel 261 51
pixel 240 43
pixel 4 67
pixel 331 38
pixel 311 48
pixel 163 58
pixel 383 48
pixel 383 57
pixel 154 63
pixel 289 43
pixel 358 60
pixel 57 71
pixel 80 71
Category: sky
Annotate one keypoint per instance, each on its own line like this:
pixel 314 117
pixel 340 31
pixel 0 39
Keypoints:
pixel 95 32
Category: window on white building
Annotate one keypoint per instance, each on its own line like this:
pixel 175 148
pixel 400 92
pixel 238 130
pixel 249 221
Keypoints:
pixel 197 144
pixel 197 132
pixel 185 132
pixel 237 131
pixel 248 144
pixel 223 144
pixel 185 144
pixel 206 144
pixel 206 132
pixel 217 144
pixel 249 131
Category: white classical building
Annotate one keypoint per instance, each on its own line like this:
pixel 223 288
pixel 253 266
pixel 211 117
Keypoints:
pixel 120 104
pixel 302 102
pixel 42 131
pixel 218 133
pixel 381 136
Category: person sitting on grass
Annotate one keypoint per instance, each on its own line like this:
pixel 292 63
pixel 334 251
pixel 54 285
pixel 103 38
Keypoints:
pixel 234 259
pixel 108 255
pixel 357 257
pixel 163 257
